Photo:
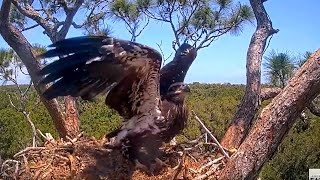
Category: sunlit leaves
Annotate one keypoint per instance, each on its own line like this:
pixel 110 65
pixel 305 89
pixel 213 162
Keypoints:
pixel 200 22
pixel 18 19
pixel 142 4
pixel 303 58
pixel 10 63
pixel 279 68
pixel 130 13
pixel 125 8
pixel 224 3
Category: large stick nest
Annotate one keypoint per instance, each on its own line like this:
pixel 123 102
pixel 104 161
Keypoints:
pixel 87 158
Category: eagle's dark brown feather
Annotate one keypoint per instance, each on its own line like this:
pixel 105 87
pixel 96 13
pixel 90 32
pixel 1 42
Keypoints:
pixel 176 70
pixel 129 73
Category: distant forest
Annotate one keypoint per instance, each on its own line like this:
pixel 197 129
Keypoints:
pixel 215 104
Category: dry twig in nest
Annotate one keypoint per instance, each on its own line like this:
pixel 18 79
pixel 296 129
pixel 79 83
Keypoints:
pixel 211 135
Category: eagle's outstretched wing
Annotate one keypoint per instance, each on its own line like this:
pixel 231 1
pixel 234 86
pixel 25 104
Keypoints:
pixel 176 70
pixel 91 65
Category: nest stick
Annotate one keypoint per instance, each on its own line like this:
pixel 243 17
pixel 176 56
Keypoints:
pixel 211 135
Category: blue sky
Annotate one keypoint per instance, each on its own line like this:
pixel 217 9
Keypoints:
pixel 224 61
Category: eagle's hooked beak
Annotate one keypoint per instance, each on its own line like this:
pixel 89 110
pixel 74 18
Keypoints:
pixel 183 89
pixel 185 52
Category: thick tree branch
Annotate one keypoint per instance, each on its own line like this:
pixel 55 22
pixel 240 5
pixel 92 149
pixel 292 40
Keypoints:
pixel 274 122
pixel 24 50
pixel 268 93
pixel 251 100
pixel 34 15
pixel 5 10
pixel 71 12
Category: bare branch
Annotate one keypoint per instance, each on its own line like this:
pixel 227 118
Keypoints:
pixel 34 15
pixel 69 19
pixel 31 27
pixel 211 135
pixel 139 33
pixel 210 164
pixel 161 51
pixel 11 103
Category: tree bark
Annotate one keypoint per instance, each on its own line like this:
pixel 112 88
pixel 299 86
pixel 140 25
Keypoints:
pixel 274 122
pixel 250 103
pixel 268 93
pixel 22 47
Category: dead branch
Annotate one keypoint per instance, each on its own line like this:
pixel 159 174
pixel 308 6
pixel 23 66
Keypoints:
pixel 211 135
pixel 163 56
pixel 208 173
pixel 210 164
pixel 27 149
pixel 7 167
pixel 48 137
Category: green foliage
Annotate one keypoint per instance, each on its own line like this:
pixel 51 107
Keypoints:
pixel 96 118
pixel 17 18
pixel 279 68
pixel 15 132
pixel 215 104
pixel 304 58
pixel 129 12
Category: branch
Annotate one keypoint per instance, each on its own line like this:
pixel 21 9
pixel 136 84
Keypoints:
pixel 161 51
pixel 31 27
pixel 211 135
pixel 34 15
pixel 268 93
pixel 23 48
pixel 11 103
pixel 274 122
pixel 250 103
pixel 70 13
pixel 63 3
pixel 5 10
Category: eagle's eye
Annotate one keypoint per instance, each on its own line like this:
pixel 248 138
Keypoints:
pixel 179 88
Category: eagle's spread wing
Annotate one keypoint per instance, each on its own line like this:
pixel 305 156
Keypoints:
pixel 176 70
pixel 88 66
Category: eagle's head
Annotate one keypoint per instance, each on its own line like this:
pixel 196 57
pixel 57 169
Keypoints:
pixel 186 50
pixel 177 92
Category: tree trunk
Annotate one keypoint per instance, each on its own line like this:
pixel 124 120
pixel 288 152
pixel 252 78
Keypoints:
pixel 274 122
pixel 251 101
pixel 71 116
pixel 22 47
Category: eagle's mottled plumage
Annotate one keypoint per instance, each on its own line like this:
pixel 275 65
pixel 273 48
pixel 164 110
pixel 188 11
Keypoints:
pixel 176 70
pixel 129 73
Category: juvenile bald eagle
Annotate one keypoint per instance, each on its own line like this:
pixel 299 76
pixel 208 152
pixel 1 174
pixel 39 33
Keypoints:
pixel 129 73
pixel 176 70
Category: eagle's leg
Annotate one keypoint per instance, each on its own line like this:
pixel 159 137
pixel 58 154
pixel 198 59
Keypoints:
pixel 118 138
